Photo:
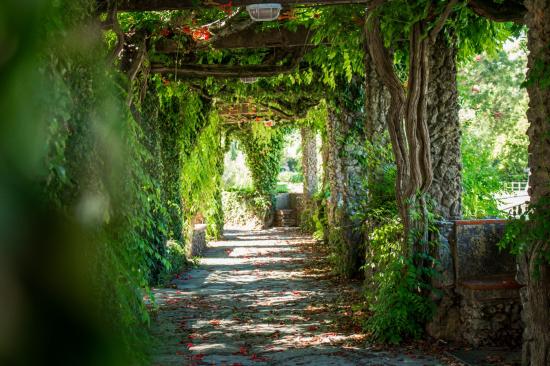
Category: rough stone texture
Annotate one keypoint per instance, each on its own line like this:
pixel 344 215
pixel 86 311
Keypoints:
pixel 446 320
pixel 476 251
pixel 536 293
pixel 198 240
pixel 377 102
pixel 444 127
pixel 446 323
pixel 478 299
pixel 300 207
pixel 241 213
pixel 309 164
pixel 444 253
pixel 490 317
pixel 346 178
pixel 334 171
pixel 251 302
pixel 285 218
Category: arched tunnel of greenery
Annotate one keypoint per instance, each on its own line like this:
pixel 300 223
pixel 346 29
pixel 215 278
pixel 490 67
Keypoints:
pixel 117 115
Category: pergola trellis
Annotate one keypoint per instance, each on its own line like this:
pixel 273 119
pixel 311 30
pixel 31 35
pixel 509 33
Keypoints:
pixel 285 59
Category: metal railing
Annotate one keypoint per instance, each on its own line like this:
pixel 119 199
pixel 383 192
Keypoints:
pixel 518 186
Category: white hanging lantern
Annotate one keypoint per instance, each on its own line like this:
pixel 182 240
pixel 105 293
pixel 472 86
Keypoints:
pixel 249 79
pixel 264 12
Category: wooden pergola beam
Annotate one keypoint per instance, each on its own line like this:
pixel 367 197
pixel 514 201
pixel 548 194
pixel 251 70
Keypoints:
pixel 273 38
pixel 224 71
pixel 156 5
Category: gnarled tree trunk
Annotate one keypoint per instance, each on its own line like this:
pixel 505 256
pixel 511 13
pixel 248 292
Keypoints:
pixel 536 293
pixel 407 121
pixel 444 128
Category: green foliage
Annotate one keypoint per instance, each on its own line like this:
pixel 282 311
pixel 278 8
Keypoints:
pixel 396 288
pixel 263 155
pixel 494 124
pixel 201 176
pixel 382 173
pixel 480 179
pixel 176 259
pixel 94 175
pixel 320 218
pixel 529 233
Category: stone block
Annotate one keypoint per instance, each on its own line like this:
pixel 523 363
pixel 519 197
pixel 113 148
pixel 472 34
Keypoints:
pixel 476 253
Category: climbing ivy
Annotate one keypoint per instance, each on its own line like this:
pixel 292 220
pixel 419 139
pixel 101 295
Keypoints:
pixel 263 147
pixel 201 178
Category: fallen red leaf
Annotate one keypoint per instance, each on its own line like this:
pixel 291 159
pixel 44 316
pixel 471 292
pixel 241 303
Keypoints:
pixel 258 358
pixel 198 356
pixel 242 351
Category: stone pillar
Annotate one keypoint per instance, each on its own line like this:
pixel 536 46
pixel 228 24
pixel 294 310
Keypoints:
pixel 534 268
pixel 444 127
pixel 446 188
pixel 309 164
pixel 377 102
pixel 346 173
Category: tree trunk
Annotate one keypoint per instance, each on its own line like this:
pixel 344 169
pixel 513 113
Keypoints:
pixel 444 128
pixel 309 165
pixel 534 270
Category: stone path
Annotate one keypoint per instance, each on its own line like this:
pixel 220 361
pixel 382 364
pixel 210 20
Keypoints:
pixel 255 299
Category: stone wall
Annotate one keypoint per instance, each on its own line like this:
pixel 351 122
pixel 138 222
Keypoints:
pixel 242 211
pixel 490 312
pixel 478 298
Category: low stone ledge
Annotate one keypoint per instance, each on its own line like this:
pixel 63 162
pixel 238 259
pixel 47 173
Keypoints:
pixel 498 282
pixel 490 315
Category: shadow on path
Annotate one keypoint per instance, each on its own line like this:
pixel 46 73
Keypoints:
pixel 251 302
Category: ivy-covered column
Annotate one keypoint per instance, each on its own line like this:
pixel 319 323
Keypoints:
pixel 309 165
pixel 444 128
pixel 171 126
pixel 534 259
pixel 346 173
pixel 149 121
pixel 263 152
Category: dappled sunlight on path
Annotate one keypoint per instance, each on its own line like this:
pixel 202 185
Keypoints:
pixel 252 302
